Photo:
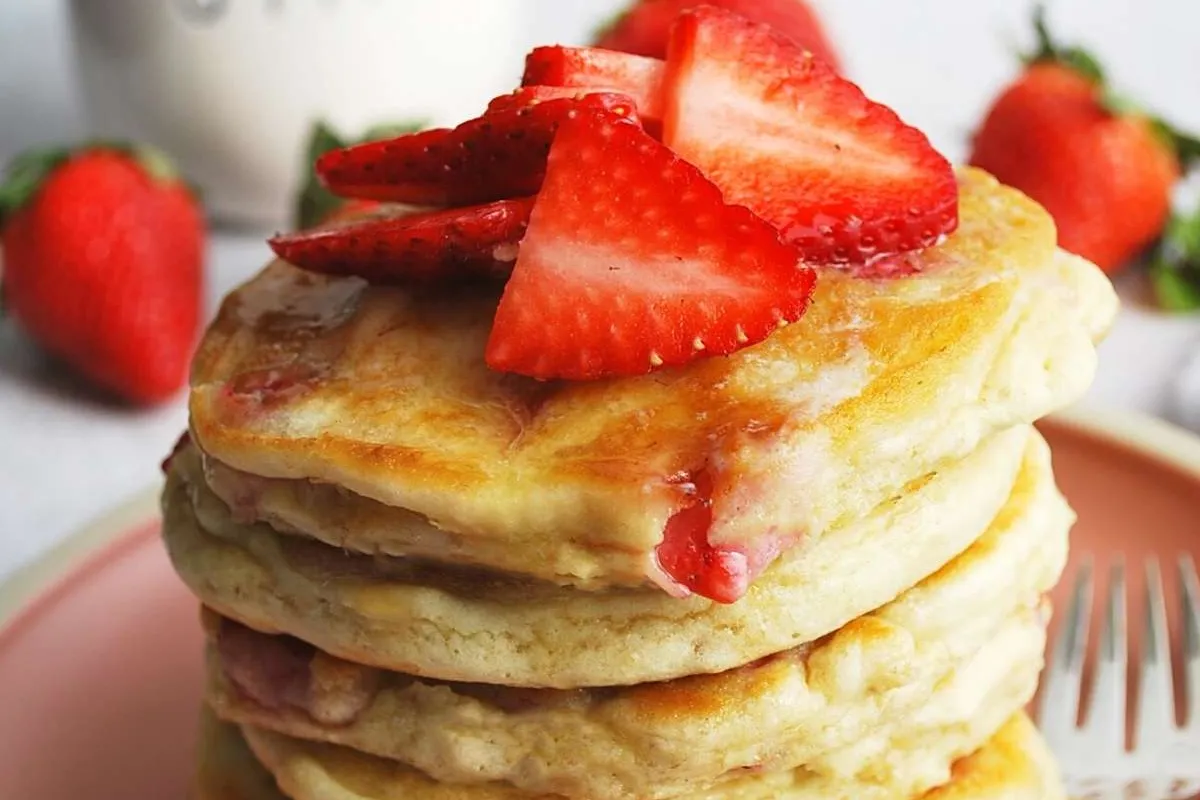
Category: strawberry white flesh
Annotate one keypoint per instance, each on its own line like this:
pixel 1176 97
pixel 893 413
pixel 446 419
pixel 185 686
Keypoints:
pixel 632 262
pixel 842 177
pixel 599 70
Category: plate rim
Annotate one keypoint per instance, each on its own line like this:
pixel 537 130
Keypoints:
pixel 88 548
pixel 104 538
pixel 1138 431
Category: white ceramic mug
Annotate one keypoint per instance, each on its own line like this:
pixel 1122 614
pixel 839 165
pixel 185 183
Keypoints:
pixel 231 87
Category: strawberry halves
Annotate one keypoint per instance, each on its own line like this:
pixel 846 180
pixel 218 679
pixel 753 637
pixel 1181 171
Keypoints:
pixel 597 70
pixel 840 176
pixel 632 261
pixel 414 246
pixel 497 156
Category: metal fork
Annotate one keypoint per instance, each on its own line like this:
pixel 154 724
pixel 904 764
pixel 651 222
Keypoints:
pixel 1164 760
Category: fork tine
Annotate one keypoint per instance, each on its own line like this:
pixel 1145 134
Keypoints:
pixel 1059 709
pixel 1105 725
pixel 1191 634
pixel 1156 692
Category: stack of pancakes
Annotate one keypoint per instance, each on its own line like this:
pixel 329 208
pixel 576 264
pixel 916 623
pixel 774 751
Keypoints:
pixel 424 579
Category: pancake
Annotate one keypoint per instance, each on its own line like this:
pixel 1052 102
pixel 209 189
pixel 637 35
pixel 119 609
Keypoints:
pixel 382 393
pixel 902 762
pixel 601 748
pixel 1015 764
pixel 978 617
pixel 226 769
pixel 395 615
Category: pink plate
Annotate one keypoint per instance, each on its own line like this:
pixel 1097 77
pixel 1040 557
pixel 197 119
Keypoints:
pixel 100 672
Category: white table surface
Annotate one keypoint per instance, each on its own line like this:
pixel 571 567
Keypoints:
pixel 66 456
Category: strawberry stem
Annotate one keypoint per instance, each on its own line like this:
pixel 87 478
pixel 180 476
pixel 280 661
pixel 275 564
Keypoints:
pixel 1049 50
pixel 27 171
pixel 1185 146
pixel 158 164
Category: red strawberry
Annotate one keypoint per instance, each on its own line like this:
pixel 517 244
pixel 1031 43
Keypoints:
pixel 103 265
pixel 532 95
pixel 497 156
pixel 842 177
pixel 314 203
pixel 644 28
pixel 413 246
pixel 632 261
pixel 1104 173
pixel 690 559
pixel 599 70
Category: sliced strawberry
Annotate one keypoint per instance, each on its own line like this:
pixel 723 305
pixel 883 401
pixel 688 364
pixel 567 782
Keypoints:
pixel 645 26
pixel 406 246
pixel 840 176
pixel 494 157
pixel 532 95
pixel 599 70
pixel 632 261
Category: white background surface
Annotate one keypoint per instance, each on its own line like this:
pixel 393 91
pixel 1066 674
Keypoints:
pixel 66 456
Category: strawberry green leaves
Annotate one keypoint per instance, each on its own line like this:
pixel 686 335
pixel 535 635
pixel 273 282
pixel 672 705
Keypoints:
pixel 1175 266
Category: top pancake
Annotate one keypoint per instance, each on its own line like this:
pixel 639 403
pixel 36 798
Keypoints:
pixel 384 391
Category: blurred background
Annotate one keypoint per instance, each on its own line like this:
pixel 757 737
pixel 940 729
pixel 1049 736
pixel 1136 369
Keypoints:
pixel 938 62
pixel 229 88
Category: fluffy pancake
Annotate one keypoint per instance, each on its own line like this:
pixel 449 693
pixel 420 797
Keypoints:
pixel 226 769
pixel 382 393
pixel 976 619
pixel 403 617
pixel 1015 764
pixel 899 762
pixel 540 743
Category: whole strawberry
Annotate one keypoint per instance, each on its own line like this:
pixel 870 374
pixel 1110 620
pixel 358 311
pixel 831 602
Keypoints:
pixel 1103 170
pixel 645 26
pixel 103 264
